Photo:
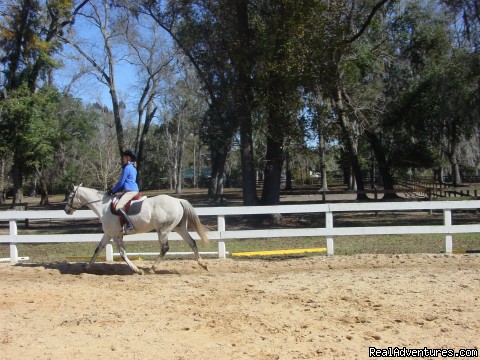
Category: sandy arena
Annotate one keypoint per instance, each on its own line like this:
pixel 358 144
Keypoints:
pixel 302 308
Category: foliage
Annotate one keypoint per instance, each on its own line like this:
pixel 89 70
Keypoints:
pixel 437 107
pixel 76 148
pixel 407 76
pixel 30 127
pixel 47 132
pixel 28 39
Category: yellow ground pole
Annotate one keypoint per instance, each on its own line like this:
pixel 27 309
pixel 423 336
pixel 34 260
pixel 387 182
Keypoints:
pixel 460 251
pixel 279 252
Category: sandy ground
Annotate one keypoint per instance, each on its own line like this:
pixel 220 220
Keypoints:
pixel 302 308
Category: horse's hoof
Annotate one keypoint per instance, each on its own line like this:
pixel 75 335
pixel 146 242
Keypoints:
pixel 203 265
pixel 139 272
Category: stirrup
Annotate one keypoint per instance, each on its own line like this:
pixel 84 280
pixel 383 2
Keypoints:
pixel 128 226
pixel 127 229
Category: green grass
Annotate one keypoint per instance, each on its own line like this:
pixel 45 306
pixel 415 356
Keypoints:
pixel 352 245
pixel 348 245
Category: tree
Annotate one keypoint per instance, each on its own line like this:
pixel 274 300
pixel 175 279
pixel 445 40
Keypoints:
pixel 80 144
pixel 243 60
pixel 100 51
pixel 100 166
pixel 335 30
pixel 445 102
pixel 280 49
pixel 217 41
pixel 29 131
pixel 467 13
pixel 319 113
pixel 152 57
pixel 431 91
pixel 28 39
pixel 181 112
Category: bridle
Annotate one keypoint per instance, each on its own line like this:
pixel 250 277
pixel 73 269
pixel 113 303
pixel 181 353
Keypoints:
pixel 71 197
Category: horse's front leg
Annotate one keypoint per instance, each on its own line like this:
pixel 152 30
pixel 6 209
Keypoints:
pixel 101 245
pixel 123 254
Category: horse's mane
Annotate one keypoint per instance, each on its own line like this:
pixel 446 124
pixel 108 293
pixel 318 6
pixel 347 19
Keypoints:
pixel 98 192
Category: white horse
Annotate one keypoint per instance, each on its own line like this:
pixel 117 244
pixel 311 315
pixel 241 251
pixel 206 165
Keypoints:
pixel 162 213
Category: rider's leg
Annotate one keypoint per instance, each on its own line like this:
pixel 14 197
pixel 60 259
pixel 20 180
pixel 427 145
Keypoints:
pixel 128 223
pixel 119 207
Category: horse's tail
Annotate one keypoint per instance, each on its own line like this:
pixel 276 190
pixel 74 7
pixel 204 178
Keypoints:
pixel 191 216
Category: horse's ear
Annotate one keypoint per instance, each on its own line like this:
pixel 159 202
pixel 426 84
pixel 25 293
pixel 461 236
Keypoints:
pixel 80 184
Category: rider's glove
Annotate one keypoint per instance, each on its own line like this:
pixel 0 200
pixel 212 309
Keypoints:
pixel 109 192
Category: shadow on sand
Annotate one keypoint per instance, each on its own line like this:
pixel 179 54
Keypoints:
pixel 103 269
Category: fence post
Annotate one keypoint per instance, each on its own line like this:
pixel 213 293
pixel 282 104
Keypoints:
pixel 222 253
pixel 13 246
pixel 447 221
pixel 329 225
pixel 430 196
pixel 109 252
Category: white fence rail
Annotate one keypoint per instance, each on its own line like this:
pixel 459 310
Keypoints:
pixel 222 234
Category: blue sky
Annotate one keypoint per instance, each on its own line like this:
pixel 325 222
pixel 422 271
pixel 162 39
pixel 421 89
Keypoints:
pixel 88 87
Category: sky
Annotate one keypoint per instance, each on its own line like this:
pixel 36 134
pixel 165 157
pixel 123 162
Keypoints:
pixel 88 87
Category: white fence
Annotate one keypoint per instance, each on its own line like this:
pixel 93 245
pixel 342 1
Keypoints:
pixel 222 234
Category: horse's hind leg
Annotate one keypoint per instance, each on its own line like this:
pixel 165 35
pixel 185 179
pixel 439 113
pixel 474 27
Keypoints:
pixel 182 230
pixel 123 254
pixel 101 245
pixel 164 247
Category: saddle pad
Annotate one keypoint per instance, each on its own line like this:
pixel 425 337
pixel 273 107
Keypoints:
pixel 137 198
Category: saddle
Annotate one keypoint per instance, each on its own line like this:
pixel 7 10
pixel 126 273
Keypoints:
pixel 136 198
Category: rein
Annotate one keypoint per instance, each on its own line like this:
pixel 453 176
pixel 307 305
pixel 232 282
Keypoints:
pixel 90 202
pixel 81 205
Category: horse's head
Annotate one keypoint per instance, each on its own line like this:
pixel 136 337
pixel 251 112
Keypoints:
pixel 73 202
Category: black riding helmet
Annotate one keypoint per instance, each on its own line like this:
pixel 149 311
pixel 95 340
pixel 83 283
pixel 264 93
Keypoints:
pixel 130 153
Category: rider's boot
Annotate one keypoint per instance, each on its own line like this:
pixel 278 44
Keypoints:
pixel 128 223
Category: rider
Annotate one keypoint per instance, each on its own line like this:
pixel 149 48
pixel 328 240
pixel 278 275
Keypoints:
pixel 127 184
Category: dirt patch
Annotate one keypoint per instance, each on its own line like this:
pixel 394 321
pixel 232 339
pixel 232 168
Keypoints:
pixel 320 307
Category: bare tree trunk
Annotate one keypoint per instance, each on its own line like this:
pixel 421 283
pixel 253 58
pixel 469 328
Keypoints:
pixel 322 156
pixel 219 158
pixel 273 171
pixel 350 144
pixel 244 68
pixel 101 18
pixel 352 183
pixel 2 180
pixel 383 166
pixel 179 168
pixel 288 171
pixel 17 184
pixel 453 157
pixel 43 192
pixel 142 137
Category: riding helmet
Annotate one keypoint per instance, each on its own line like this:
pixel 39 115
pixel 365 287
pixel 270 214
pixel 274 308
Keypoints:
pixel 130 153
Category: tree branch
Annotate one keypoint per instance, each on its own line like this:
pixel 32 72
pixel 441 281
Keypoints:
pixel 368 21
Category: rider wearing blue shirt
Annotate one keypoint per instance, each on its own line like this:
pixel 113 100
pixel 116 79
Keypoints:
pixel 127 184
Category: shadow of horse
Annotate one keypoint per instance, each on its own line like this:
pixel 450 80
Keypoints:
pixel 101 269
